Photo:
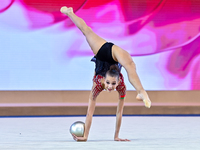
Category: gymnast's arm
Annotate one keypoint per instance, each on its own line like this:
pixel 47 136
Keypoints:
pixel 119 119
pixel 121 88
pixel 91 107
pixel 124 58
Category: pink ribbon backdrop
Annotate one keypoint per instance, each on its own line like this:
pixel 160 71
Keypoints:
pixel 161 35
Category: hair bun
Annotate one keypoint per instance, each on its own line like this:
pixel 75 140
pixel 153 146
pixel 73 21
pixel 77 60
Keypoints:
pixel 114 68
pixel 114 71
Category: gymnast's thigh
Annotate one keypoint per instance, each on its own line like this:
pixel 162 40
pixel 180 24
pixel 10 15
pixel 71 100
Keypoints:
pixel 94 40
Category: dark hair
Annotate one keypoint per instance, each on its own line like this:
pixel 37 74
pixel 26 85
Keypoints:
pixel 114 71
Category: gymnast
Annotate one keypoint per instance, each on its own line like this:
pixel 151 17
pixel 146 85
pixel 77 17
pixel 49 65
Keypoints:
pixel 109 59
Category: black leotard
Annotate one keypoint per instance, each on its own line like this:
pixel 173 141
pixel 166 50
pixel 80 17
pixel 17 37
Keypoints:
pixel 105 53
pixel 104 59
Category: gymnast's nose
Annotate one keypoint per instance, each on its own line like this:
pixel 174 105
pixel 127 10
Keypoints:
pixel 109 86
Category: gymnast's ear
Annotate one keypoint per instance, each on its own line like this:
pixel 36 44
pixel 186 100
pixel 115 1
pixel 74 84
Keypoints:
pixel 118 81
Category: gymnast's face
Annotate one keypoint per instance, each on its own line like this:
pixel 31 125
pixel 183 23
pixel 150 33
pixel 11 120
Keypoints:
pixel 110 83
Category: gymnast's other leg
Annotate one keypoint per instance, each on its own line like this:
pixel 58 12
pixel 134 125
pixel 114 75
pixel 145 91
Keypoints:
pixel 93 39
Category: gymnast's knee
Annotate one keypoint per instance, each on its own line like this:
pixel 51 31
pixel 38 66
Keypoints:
pixel 132 65
pixel 86 30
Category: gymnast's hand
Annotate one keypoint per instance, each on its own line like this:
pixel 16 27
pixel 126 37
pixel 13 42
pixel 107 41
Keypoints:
pixel 118 139
pixel 147 101
pixel 66 10
pixel 79 139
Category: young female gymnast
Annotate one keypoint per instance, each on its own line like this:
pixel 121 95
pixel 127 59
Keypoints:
pixel 108 59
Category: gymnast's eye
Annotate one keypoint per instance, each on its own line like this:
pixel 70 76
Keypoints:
pixel 107 82
pixel 113 83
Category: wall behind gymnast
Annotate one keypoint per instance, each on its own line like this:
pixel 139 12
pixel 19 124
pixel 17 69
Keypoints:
pixel 41 49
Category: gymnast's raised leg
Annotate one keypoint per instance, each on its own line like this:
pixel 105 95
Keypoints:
pixel 93 39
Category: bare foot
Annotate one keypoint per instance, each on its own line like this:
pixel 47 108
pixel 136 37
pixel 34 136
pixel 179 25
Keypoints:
pixel 138 98
pixel 146 101
pixel 66 10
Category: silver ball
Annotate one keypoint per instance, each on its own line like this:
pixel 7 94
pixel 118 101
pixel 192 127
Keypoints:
pixel 77 128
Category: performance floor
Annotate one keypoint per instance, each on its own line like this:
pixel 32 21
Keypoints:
pixel 145 133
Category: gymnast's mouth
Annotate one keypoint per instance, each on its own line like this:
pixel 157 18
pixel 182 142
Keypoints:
pixel 109 90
